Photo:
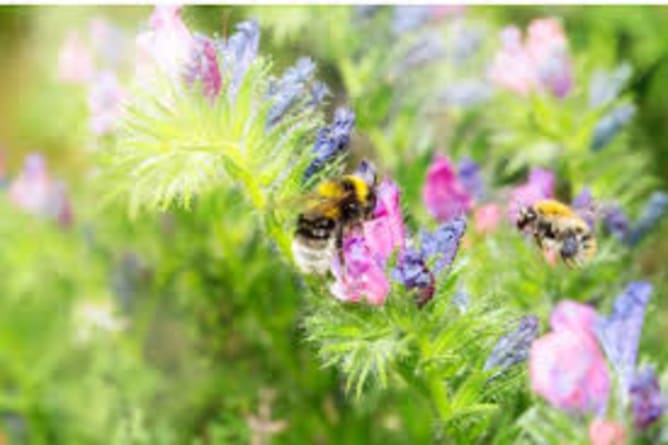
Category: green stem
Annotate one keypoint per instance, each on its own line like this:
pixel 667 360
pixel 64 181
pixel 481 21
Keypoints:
pixel 439 395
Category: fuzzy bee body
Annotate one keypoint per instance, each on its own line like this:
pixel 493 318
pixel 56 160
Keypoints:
pixel 556 227
pixel 336 206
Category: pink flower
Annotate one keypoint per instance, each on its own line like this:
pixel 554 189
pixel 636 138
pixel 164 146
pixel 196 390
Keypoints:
pixel 166 46
pixel 539 186
pixel 105 102
pixel 386 231
pixel 75 61
pixel 567 366
pixel 486 218
pixel 443 194
pixel 606 432
pixel 570 315
pixel 35 192
pixel 361 278
pixel 540 63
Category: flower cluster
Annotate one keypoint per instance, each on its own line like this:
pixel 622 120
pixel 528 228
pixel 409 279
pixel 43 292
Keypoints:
pixel 568 368
pixel 445 195
pixel 331 141
pixel 540 63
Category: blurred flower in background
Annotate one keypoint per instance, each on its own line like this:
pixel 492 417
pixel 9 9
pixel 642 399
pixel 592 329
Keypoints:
pixel 606 432
pixel 75 61
pixel 647 401
pixel 540 185
pixel 105 103
pixel 540 63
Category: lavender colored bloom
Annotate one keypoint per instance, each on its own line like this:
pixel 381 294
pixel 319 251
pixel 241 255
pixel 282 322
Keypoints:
pixel 513 347
pixel 604 87
pixel 646 400
pixel 443 243
pixel 413 273
pixel 467 41
pixel 428 49
pixel 290 88
pixel 203 67
pixel 409 18
pixel 610 125
pixel 466 93
pixel 469 177
pixel 619 333
pixel 583 204
pixel 616 222
pixel 319 92
pixel 654 210
pixel 331 141
pixel 239 52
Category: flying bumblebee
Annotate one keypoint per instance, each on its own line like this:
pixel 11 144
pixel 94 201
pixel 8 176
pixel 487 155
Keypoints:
pixel 335 207
pixel 556 227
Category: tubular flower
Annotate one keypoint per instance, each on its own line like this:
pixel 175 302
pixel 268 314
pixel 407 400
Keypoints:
pixel 331 141
pixel 443 244
pixel 646 400
pixel 413 273
pixel 616 222
pixel 513 347
pixel 606 432
pixel 203 67
pixel 619 333
pixel 239 53
pixel 541 63
pixel 469 176
pixel 360 278
pixel 610 125
pixel 443 193
pixel 539 186
pixel 583 204
pixel 35 192
pixel 166 47
pixel 366 252
pixel 654 210
pixel 105 103
pixel 566 366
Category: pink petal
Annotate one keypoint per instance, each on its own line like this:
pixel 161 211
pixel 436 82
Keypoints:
pixel 571 315
pixel 75 61
pixel 442 193
pixel 606 432
pixel 487 217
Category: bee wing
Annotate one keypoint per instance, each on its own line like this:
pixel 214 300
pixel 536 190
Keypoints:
pixel 311 201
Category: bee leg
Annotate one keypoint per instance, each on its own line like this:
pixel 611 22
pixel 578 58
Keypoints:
pixel 338 234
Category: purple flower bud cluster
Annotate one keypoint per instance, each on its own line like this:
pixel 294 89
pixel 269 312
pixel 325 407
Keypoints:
pixel 470 178
pixel 610 125
pixel 646 400
pixel 654 210
pixel 442 245
pixel 331 141
pixel 513 347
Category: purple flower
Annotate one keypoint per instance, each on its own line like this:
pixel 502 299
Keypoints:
pixel 653 212
pixel 619 333
pixel 610 125
pixel 466 93
pixel 409 18
pixel 540 185
pixel 385 232
pixel 428 49
pixel 583 204
pixel 287 92
pixel 331 141
pixel 616 222
pixel 604 87
pixel 646 399
pixel 413 273
pixel 239 52
pixel 469 177
pixel 105 103
pixel 443 244
pixel 203 67
pixel 443 193
pixel 513 347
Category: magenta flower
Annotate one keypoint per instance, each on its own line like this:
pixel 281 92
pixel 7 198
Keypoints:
pixel 105 103
pixel 566 366
pixel 541 63
pixel 606 432
pixel 166 47
pixel 203 67
pixel 540 185
pixel 443 194
pixel 75 61
pixel 361 278
pixel 385 232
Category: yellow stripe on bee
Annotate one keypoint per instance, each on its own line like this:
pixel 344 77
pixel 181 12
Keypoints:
pixel 361 188
pixel 553 208
pixel 330 189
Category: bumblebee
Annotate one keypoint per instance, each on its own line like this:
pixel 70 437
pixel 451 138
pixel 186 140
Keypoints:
pixel 556 227
pixel 335 207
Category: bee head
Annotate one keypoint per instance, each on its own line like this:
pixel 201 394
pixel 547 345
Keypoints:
pixel 526 216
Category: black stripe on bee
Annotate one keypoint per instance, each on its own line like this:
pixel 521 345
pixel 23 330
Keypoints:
pixel 319 228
